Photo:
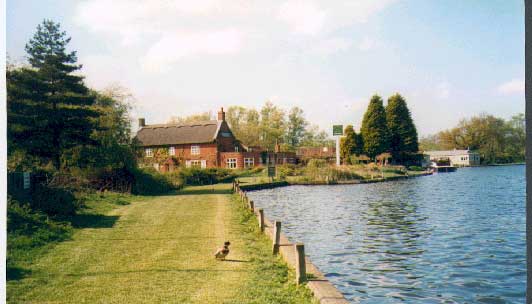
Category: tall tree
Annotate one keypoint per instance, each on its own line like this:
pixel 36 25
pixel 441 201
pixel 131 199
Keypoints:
pixel 401 128
pixel 50 109
pixel 296 126
pixel 374 129
pixel 273 125
pixel 348 143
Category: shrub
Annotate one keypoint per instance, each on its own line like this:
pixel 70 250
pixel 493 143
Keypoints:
pixel 415 168
pixel 199 176
pixel 288 170
pixel 394 169
pixel 149 181
pixel 54 200
pixel 28 230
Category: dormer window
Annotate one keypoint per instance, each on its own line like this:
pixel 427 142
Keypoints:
pixel 236 149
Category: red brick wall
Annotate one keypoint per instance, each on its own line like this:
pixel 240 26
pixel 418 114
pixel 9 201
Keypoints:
pixel 239 158
pixel 227 144
pixel 208 152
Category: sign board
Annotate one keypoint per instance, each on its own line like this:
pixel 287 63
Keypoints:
pixel 271 171
pixel 26 178
pixel 338 130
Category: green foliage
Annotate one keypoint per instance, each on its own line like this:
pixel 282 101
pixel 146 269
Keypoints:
pixel 49 107
pixel 496 140
pixel 201 117
pixel 374 129
pixel 148 181
pixel 296 127
pixel 54 200
pixel 199 176
pixel 351 144
pixel 27 230
pixel 415 168
pixel 271 125
pixel 401 128
pixel 288 170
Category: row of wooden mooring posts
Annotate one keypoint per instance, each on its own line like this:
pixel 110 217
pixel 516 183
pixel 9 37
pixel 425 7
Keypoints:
pixel 299 248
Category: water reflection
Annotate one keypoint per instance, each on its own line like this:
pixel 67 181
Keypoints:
pixel 454 238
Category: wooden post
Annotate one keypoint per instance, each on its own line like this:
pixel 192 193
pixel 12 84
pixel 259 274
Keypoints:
pixel 276 237
pixel 252 206
pixel 301 267
pixel 261 219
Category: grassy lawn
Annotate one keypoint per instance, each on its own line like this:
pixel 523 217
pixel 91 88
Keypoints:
pixel 160 250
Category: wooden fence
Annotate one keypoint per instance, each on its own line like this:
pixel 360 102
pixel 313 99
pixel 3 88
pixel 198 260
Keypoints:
pixel 293 254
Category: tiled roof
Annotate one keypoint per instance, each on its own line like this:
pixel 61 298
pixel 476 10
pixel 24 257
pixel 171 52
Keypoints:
pixel 175 134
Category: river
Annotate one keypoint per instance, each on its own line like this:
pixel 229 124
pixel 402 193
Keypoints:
pixel 447 238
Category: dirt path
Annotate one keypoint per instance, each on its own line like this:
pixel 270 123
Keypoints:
pixel 158 250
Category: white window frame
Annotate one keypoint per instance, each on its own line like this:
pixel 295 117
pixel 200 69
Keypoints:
pixel 249 162
pixel 195 163
pixel 149 152
pixel 231 163
pixel 236 149
pixel 195 150
pixel 171 151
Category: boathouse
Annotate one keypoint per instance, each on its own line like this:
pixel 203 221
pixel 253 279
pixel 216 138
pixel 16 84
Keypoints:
pixel 457 158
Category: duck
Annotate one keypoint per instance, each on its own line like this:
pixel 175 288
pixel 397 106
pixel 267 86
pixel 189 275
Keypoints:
pixel 222 252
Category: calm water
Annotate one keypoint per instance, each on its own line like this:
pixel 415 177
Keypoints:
pixel 448 238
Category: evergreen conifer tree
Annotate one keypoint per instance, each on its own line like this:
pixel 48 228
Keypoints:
pixel 374 129
pixel 403 133
pixel 49 107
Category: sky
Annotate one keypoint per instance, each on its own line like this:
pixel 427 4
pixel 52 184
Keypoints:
pixel 450 59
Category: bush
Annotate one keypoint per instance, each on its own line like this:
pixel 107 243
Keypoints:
pixel 199 176
pixel 54 200
pixel 288 170
pixel 394 169
pixel 26 231
pixel 148 181
pixel 415 168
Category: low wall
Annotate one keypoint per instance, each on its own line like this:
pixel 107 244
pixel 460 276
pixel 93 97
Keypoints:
pixel 323 290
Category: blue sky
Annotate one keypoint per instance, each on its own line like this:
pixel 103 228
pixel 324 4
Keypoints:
pixel 450 59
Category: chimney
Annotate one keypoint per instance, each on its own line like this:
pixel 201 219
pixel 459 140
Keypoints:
pixel 142 122
pixel 221 115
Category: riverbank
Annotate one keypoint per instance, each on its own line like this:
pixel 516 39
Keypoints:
pixel 159 249
pixel 260 183
pixel 293 254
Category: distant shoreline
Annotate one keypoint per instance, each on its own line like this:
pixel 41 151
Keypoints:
pixel 509 164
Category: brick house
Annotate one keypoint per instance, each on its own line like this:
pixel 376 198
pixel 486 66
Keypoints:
pixel 207 144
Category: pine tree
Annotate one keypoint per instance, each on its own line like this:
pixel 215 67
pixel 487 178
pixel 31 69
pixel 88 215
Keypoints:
pixel 403 133
pixel 49 106
pixel 374 129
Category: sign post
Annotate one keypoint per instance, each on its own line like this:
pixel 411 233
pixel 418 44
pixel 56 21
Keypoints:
pixel 271 172
pixel 338 130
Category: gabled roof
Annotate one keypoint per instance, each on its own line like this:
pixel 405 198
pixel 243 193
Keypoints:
pixel 176 134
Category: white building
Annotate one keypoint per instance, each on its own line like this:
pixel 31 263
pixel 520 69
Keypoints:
pixel 458 158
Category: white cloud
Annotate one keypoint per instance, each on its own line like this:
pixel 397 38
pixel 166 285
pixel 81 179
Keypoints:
pixel 443 90
pixel 175 46
pixel 330 46
pixel 367 44
pixel 318 17
pixel 303 17
pixel 513 86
